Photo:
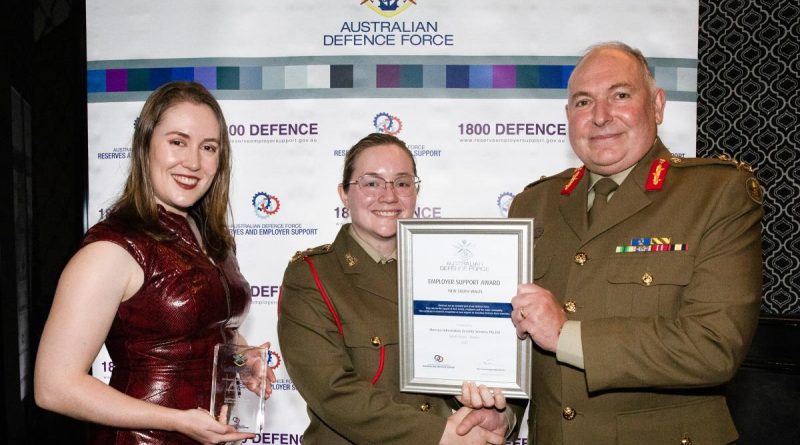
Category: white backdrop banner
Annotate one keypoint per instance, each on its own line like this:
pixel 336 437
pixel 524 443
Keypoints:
pixel 477 89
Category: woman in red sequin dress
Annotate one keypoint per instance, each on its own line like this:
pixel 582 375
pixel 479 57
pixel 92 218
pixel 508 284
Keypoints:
pixel 158 282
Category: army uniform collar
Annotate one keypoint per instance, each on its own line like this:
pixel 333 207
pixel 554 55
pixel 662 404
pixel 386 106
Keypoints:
pixel 629 198
pixel 362 270
pixel 371 251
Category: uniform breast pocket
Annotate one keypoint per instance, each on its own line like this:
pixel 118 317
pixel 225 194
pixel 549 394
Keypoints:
pixel 541 263
pixel 647 284
pixel 704 421
pixel 373 349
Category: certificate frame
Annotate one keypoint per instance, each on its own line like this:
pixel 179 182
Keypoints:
pixel 513 234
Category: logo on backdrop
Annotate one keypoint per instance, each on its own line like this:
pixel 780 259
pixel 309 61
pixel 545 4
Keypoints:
pixel 512 132
pixel 388 8
pixel 115 153
pixel 504 202
pixel 265 205
pixel 273 359
pixel 389 31
pixel 386 123
pixel 265 293
pixel 283 385
pixel 276 437
pixel 389 124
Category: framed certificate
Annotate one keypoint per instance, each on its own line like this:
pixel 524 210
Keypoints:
pixel 456 280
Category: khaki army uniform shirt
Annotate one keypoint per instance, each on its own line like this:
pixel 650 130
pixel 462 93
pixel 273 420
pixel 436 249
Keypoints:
pixel 334 372
pixel 662 328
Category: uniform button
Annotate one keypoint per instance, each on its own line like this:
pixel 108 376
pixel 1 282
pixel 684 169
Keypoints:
pixel 581 258
pixel 686 440
pixel 425 407
pixel 570 306
pixel 376 341
pixel 647 279
pixel 569 413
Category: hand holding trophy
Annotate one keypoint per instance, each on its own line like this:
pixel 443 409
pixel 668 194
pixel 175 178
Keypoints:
pixel 239 385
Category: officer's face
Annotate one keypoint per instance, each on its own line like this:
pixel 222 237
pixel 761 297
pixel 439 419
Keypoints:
pixel 612 111
pixel 375 218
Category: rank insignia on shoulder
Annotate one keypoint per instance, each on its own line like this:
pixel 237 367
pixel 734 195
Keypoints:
pixel 725 157
pixel 299 255
pixel 741 165
pixel 754 190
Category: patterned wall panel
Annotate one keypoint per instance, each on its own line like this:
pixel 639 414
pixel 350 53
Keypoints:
pixel 748 106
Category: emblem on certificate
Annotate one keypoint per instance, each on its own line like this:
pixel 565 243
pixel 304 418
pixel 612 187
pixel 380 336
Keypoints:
pixel 238 382
pixel 456 280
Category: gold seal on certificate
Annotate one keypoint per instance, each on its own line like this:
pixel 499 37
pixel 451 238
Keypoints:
pixel 238 382
pixel 456 280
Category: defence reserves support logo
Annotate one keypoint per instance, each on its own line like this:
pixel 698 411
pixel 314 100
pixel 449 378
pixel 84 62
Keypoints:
pixel 388 8
pixel 265 205
pixel 386 123
pixel 504 202
pixel 273 359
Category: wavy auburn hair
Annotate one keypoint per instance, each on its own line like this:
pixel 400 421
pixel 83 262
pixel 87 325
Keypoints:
pixel 136 207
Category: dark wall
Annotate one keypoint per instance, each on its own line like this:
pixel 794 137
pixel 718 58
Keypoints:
pixel 15 92
pixel 46 68
pixel 748 107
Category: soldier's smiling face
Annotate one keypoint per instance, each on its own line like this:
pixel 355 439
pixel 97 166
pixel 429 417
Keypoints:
pixel 613 111
pixel 375 217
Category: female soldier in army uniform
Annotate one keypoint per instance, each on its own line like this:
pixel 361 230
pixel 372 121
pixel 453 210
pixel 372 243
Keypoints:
pixel 338 320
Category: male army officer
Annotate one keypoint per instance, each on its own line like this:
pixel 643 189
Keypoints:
pixel 647 289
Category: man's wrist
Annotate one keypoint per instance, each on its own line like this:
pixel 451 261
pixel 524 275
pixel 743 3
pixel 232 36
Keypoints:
pixel 570 346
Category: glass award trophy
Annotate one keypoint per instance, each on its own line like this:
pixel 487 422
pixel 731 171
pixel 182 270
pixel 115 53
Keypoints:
pixel 239 379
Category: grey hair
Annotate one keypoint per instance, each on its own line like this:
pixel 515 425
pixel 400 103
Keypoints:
pixel 627 49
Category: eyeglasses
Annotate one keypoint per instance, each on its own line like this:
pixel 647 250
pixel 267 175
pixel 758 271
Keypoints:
pixel 374 186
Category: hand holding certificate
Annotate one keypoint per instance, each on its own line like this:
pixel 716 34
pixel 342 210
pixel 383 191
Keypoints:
pixel 456 278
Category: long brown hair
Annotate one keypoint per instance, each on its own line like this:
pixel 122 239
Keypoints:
pixel 136 207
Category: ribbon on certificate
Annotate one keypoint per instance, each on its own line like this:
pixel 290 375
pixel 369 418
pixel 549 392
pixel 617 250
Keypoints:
pixel 462 308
